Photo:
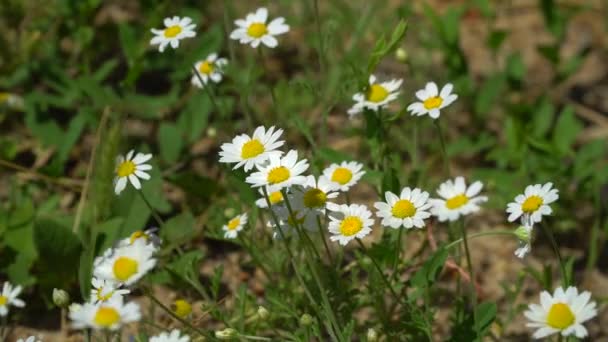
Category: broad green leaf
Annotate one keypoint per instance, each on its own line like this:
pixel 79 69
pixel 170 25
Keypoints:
pixel 178 229
pixel 566 130
pixel 170 142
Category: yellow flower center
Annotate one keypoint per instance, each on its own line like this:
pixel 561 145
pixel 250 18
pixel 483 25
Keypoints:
pixel 351 225
pixel 257 30
pixel 4 96
pixel 433 102
pixel 341 175
pixel 125 168
pixel 531 204
pixel 278 175
pixel 314 198
pixel 3 300
pixel 403 208
pixel 252 148
pixel 182 308
pixel 560 316
pixel 124 268
pixel 457 201
pixel 275 197
pixel 376 93
pixel 173 31
pixel 140 234
pixel 103 297
pixel 106 317
pixel 206 68
pixel 234 223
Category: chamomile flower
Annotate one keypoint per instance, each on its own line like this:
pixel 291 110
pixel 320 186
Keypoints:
pixel 524 234
pixel 8 298
pixel 29 339
pixel 314 195
pixel 350 222
pixel 457 199
pixel 131 167
pixel 275 197
pixel 533 203
pixel 110 315
pixel 176 29
pixel 432 100
pixel 344 175
pixel 173 336
pixel 563 312
pixel 104 290
pixel 279 172
pixel 209 69
pixel 409 209
pixel 126 265
pixel 234 226
pixel 253 29
pixel 149 236
pixel 378 96
pixel 254 150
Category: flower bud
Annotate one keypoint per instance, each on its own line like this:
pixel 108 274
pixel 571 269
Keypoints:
pixel 182 308
pixel 61 298
pixel 263 313
pixel 306 320
pixel 229 212
pixel 524 233
pixel 372 335
pixel 211 132
pixel 401 55
pixel 226 334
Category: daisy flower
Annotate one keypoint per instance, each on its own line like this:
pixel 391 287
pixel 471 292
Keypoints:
pixel 149 236
pixel 110 315
pixel 104 290
pixel 131 168
pixel 209 69
pixel 313 195
pixel 126 265
pixel 524 233
pixel 182 308
pixel 173 336
pixel 378 96
pixel 275 197
pixel 457 199
pixel 234 226
pixel 8 298
pixel 252 151
pixel 279 172
pixel 29 339
pixel 350 222
pixel 432 100
pixel 533 203
pixel 176 29
pixel 409 209
pixel 253 29
pixel 344 175
pixel 564 312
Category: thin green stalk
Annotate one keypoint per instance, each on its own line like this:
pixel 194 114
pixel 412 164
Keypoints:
pixel 255 338
pixel 272 94
pixel 292 214
pixel 467 253
pixel 156 216
pixel 322 232
pixel 320 52
pixel 397 251
pixel 472 236
pixel 255 257
pixel 206 89
pixel 444 152
pixel 594 239
pixel 172 314
pixel 562 265
pixel 379 269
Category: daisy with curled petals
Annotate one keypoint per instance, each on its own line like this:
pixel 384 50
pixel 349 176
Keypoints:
pixel 234 226
pixel 314 195
pixel 173 336
pixel 176 29
pixel 350 222
pixel 378 96
pixel 279 172
pixel 110 315
pixel 274 197
pixel 29 339
pixel 131 168
pixel 563 312
pixel 432 100
pixel 457 199
pixel 126 265
pixel 254 150
pixel 409 209
pixel 344 175
pixel 104 290
pixel 209 69
pixel 524 234
pixel 533 203
pixel 253 29
pixel 8 298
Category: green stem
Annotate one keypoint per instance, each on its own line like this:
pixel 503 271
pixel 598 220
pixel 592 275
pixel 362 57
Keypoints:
pixel 303 231
pixel 155 214
pixel 322 231
pixel 255 257
pixel 206 89
pixel 320 37
pixel 255 338
pixel 562 265
pixel 467 253
pixel 594 240
pixel 172 314
pixel 397 251
pixel 472 236
pixel 379 269
pixel 444 152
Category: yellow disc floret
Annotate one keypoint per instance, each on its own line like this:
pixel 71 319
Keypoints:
pixel 3 300
pixel 560 316
pixel 173 31
pixel 234 223
pixel 314 198
pixel 376 93
pixel 433 102
pixel 257 30
pixel 252 148
pixel 278 175
pixel 275 197
pixel 457 201
pixel 403 208
pixel 124 268
pixel 531 204
pixel 106 316
pixel 182 308
pixel 341 175
pixel 126 169
pixel 206 68
pixel 351 225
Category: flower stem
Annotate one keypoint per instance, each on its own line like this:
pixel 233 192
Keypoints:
pixel 467 253
pixel 446 161
pixel 562 265
pixel 319 37
pixel 155 214
pixel 172 314
pixel 206 89
pixel 379 269
pixel 397 251
pixel 494 232
pixel 322 232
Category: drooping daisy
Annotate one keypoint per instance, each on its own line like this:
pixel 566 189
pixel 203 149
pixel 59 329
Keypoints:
pixel 234 226
pixel 275 197
pixel 126 265
pixel 253 29
pixel 457 199
pixel 533 203
pixel 30 339
pixel 104 290
pixel 252 151
pixel 350 222
pixel 149 236
pixel 289 223
pixel 209 69
pixel 173 336
pixel 524 234
pixel 344 175
pixel 314 195
pixel 8 298
pixel 131 168
pixel 176 29
pixel 564 312
pixel 110 315
pixel 409 209
pixel 182 308
pixel 378 96
pixel 432 100
pixel 279 172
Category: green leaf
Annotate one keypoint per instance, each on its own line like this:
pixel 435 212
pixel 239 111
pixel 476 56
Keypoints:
pixel 59 251
pixel 170 142
pixel 542 119
pixel 179 228
pixel 566 130
pixel 384 48
pixel 488 93
pixel 333 156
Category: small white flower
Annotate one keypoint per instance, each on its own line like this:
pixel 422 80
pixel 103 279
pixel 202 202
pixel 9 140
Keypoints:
pixel 132 169
pixel 105 290
pixel 524 233
pixel 176 29
pixel 8 298
pixel 350 222
pixel 253 29
pixel 252 151
pixel 275 197
pixel 234 226
pixel 410 209
pixel 533 203
pixel 173 336
pixel 564 312
pixel 457 199
pixel 344 175
pixel 149 236
pixel 110 315
pixel 30 339
pixel 432 100
pixel 313 195
pixel 378 96
pixel 209 69
pixel 279 172
pixel 126 265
